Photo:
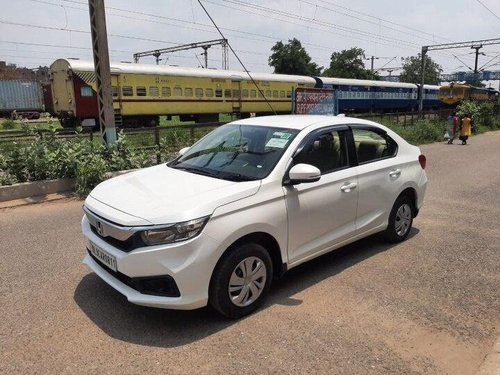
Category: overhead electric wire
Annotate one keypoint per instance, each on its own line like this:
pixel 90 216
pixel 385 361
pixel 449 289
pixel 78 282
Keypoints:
pixel 384 20
pixel 374 37
pixel 308 20
pixel 237 57
pixel 363 20
pixel 485 65
pixel 488 9
pixel 241 33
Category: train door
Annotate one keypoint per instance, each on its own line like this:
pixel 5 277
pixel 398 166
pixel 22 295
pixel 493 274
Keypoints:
pixel 117 99
pixel 236 96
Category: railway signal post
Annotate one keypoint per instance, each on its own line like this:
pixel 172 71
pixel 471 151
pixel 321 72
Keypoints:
pixel 102 71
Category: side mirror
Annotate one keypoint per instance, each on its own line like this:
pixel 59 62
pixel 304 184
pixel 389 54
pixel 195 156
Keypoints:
pixel 182 151
pixel 303 173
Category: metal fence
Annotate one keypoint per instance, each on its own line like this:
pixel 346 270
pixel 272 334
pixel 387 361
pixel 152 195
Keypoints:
pixel 162 141
pixel 165 141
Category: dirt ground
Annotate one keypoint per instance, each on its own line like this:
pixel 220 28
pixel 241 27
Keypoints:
pixel 429 305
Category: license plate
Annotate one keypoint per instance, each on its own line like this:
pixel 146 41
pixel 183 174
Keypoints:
pixel 103 256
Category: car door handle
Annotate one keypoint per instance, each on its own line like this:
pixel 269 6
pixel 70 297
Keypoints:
pixel 395 173
pixel 348 187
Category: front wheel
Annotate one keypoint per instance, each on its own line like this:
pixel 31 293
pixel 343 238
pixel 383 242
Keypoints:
pixel 400 220
pixel 241 281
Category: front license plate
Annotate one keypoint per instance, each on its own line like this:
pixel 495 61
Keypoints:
pixel 103 256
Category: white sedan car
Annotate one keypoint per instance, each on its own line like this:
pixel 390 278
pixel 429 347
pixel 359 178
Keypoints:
pixel 247 202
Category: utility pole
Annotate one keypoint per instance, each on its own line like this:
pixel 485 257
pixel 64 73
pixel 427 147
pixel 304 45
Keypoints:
pixel 102 71
pixel 477 48
pixel 205 53
pixel 422 80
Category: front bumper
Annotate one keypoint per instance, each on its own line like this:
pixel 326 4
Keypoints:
pixel 190 264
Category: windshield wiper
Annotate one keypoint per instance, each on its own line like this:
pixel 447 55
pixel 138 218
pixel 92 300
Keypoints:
pixel 235 177
pixel 196 170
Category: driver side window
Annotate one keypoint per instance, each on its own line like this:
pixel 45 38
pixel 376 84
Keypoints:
pixel 326 151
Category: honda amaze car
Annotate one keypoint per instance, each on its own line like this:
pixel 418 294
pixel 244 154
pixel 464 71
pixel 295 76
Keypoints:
pixel 247 202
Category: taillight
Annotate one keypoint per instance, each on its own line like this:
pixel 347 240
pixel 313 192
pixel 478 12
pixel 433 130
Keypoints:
pixel 422 160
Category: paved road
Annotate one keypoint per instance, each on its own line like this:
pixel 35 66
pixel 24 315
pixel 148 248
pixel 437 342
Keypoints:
pixel 429 305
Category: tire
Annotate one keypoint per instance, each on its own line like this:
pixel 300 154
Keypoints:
pixel 248 290
pixel 400 220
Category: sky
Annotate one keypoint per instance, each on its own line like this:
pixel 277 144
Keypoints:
pixel 36 32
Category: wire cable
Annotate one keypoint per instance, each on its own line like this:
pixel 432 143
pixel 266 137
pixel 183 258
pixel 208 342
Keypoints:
pixel 237 57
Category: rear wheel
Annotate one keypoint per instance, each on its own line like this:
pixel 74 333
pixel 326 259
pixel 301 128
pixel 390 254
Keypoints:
pixel 241 281
pixel 400 220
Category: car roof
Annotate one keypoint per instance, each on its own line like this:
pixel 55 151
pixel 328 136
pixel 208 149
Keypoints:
pixel 300 122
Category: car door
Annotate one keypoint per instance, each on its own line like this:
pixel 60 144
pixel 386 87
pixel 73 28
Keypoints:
pixel 322 213
pixel 379 176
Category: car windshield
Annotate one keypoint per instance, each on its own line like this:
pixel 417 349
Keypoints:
pixel 237 152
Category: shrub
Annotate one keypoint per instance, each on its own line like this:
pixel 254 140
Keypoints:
pixel 9 124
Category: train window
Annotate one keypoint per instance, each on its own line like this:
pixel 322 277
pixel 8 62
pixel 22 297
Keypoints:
pixel 253 93
pixel 188 92
pixel 275 94
pixel 218 93
pixel 268 93
pixel 140 90
pixel 165 91
pixel 114 90
pixel 261 94
pixel 177 91
pixel 244 93
pixel 288 94
pixel 236 93
pixel 127 91
pixel 227 93
pixel 209 93
pixel 153 91
pixel 198 93
pixel 282 94
pixel 86 91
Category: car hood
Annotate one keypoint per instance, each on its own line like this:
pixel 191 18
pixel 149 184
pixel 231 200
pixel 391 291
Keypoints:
pixel 163 195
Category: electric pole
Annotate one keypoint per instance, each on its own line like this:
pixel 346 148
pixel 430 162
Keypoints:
pixel 102 71
pixel 477 48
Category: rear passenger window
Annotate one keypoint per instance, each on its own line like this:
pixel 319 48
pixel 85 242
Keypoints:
pixel 209 93
pixel 198 92
pixel 371 145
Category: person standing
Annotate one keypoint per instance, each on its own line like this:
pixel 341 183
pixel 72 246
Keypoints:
pixel 451 129
pixel 465 130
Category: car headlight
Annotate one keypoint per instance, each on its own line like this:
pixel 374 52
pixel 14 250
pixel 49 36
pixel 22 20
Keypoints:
pixel 174 232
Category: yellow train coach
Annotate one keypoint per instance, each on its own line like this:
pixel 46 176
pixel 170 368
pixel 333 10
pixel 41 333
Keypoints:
pixel 454 93
pixel 142 93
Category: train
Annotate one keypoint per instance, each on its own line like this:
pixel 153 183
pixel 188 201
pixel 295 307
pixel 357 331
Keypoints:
pixel 142 93
pixel 454 93
pixel 21 98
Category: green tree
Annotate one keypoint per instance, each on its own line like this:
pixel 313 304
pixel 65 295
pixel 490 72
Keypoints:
pixel 349 63
pixel 292 58
pixel 412 67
